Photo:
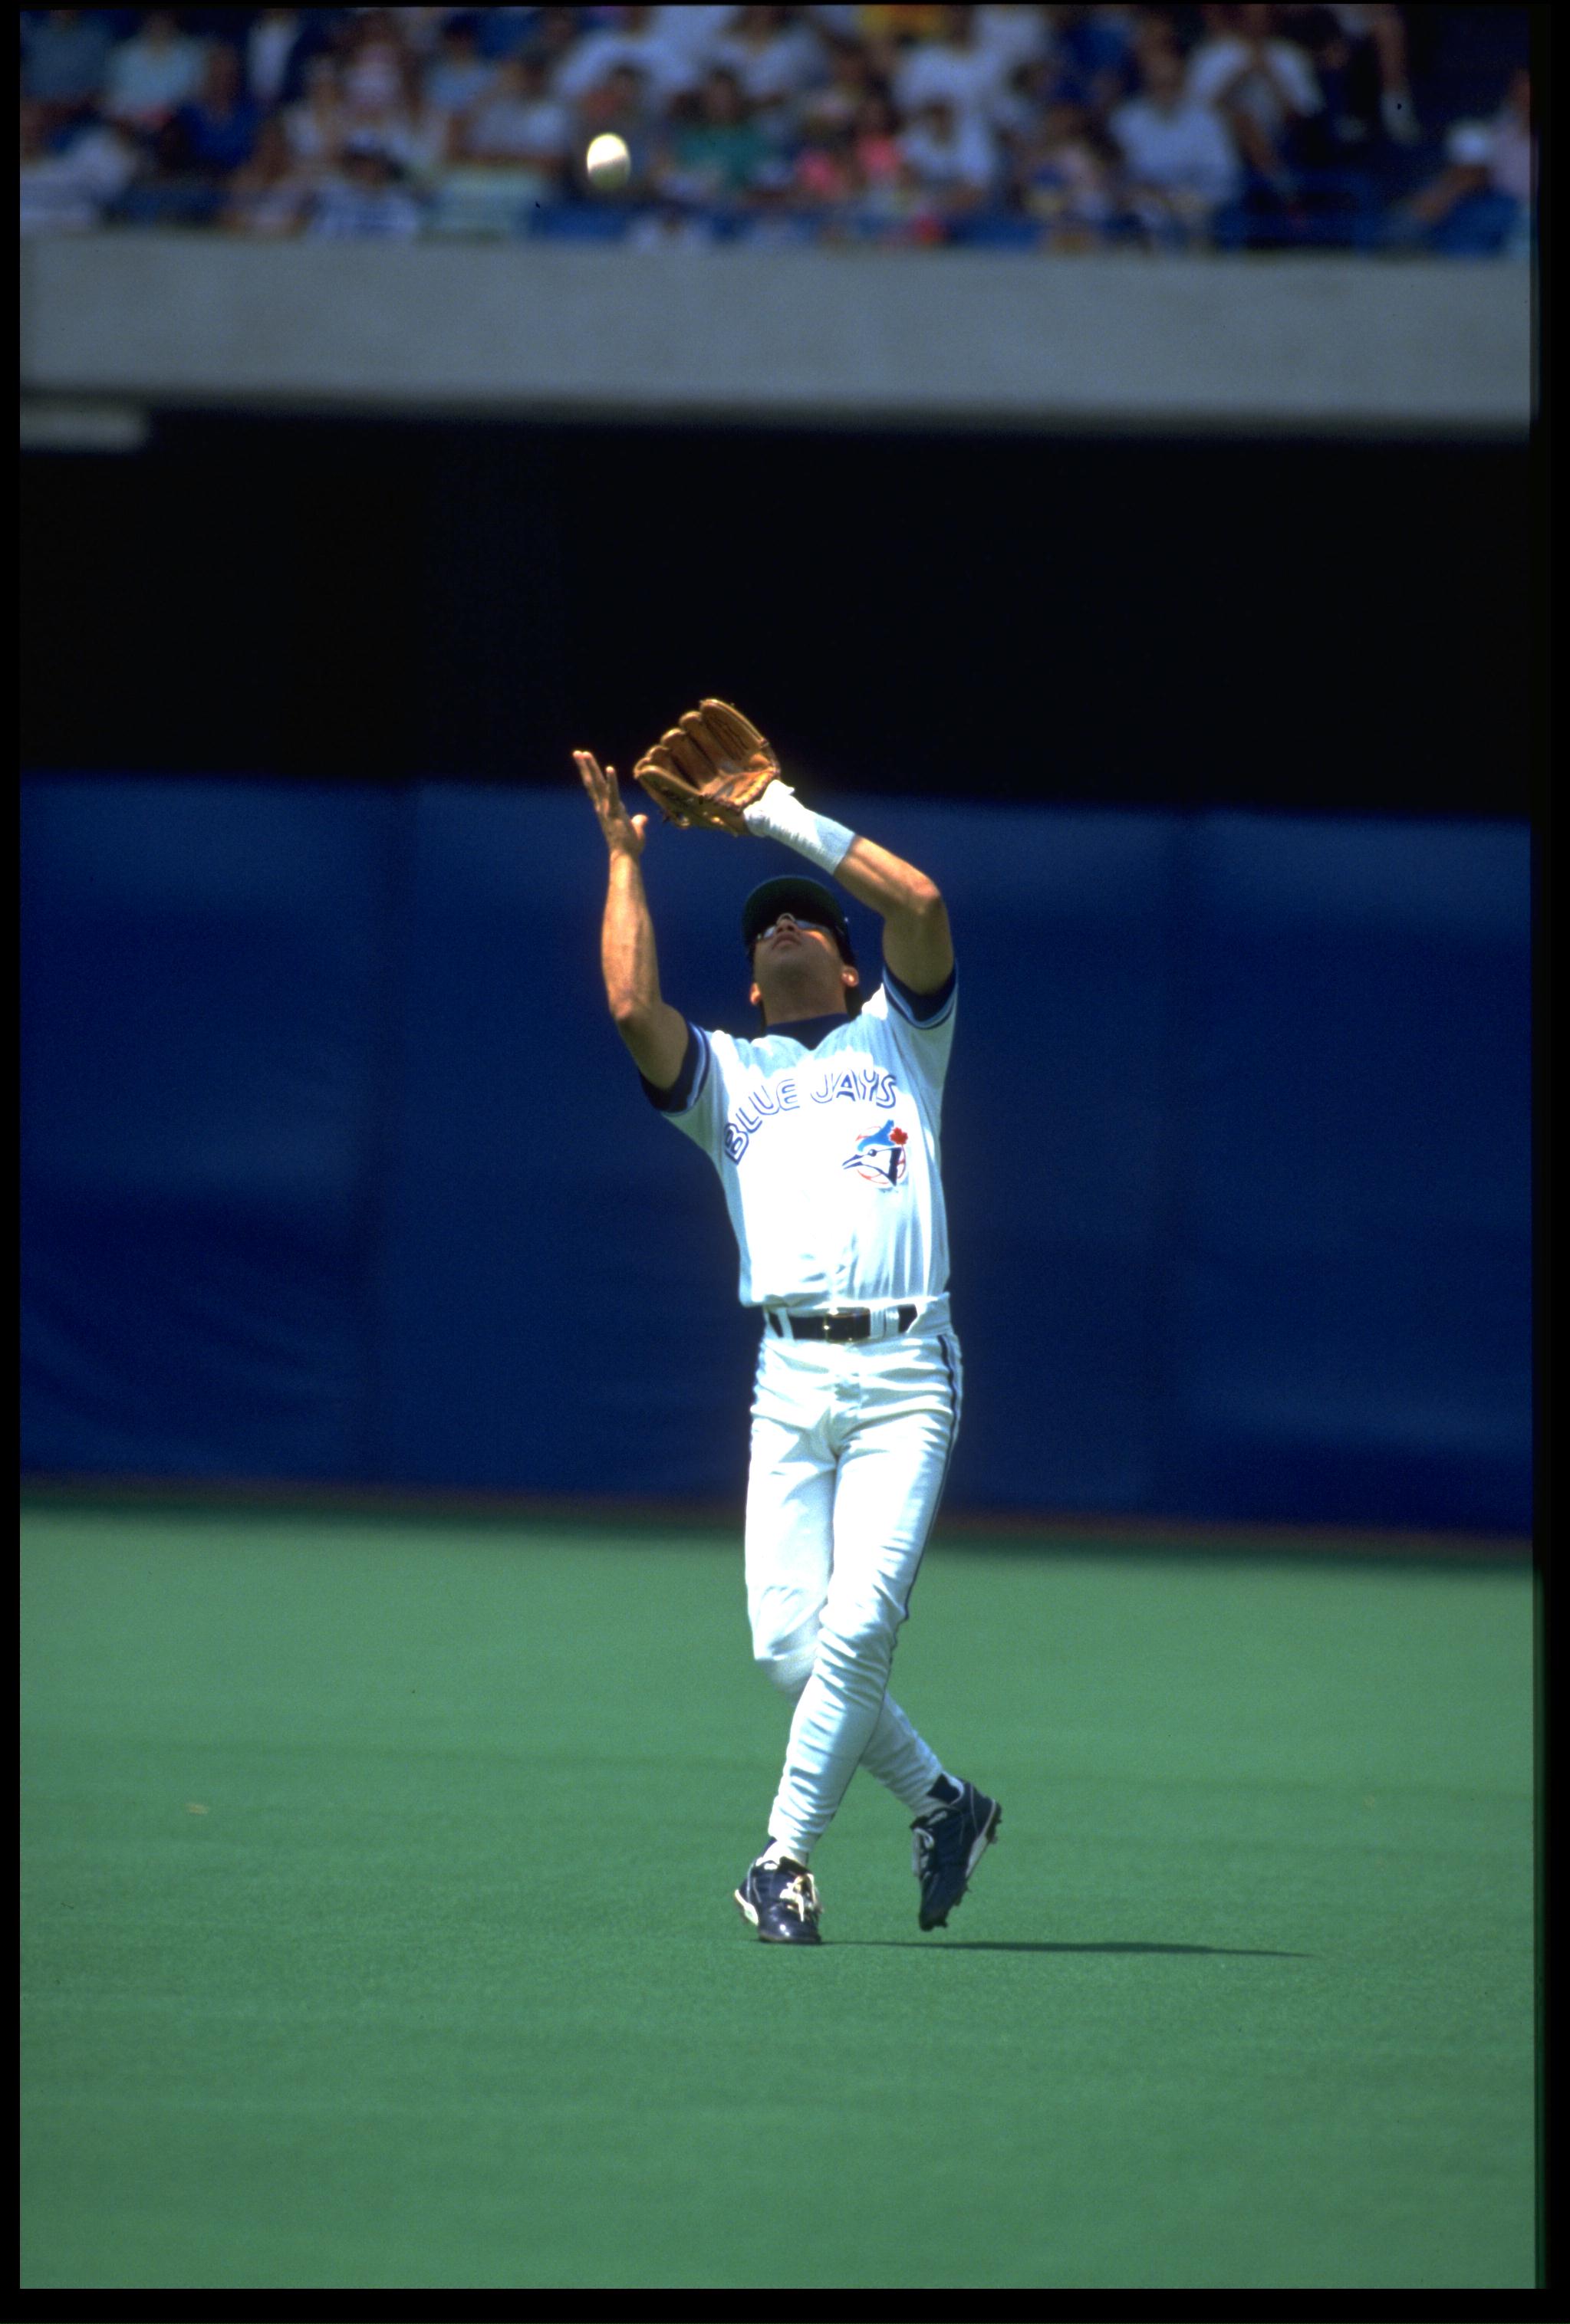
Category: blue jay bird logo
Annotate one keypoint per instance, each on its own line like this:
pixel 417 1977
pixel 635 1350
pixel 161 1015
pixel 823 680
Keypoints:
pixel 881 1157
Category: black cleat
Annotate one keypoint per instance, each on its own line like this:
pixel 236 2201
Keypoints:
pixel 781 1902
pixel 949 1844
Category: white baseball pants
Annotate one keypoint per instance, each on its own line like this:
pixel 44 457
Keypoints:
pixel 851 1447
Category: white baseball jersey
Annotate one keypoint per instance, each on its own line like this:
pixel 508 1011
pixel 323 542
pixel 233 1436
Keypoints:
pixel 824 1134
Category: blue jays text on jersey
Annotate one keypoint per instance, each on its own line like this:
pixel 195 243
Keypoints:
pixel 824 1133
pixel 784 1095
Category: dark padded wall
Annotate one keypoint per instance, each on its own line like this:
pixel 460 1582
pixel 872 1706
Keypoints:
pixel 333 1166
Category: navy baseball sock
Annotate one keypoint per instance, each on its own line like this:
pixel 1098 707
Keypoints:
pixel 945 1791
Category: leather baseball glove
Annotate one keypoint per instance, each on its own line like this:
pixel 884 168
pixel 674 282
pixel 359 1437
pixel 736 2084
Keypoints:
pixel 705 771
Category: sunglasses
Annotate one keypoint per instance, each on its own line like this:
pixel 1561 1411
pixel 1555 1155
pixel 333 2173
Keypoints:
pixel 797 920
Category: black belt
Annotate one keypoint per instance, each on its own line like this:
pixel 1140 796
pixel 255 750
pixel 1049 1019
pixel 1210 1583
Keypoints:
pixel 838 1323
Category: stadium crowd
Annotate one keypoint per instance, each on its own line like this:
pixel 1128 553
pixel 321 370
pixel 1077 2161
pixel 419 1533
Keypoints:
pixel 1403 129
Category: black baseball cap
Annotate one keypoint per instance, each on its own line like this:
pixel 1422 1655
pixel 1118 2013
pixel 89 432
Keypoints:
pixel 804 900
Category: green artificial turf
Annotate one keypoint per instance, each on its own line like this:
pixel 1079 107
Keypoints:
pixel 378 1927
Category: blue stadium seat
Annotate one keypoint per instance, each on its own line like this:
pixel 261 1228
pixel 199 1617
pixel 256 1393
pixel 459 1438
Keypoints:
pixel 1479 227
pixel 996 230
pixel 579 222
pixel 1333 209
pixel 173 202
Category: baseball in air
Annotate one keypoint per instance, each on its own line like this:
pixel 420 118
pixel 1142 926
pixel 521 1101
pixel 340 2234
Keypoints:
pixel 609 164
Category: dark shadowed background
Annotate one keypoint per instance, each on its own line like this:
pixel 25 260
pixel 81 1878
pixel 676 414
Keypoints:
pixel 1106 621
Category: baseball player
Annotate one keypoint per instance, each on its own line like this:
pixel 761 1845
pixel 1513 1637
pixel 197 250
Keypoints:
pixel 825 1131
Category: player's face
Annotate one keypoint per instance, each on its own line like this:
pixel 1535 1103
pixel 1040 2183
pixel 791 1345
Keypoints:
pixel 797 969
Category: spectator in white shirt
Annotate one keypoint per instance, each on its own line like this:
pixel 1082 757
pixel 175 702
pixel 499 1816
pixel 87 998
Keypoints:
pixel 1014 35
pixel 275 51
pixel 1481 202
pixel 958 71
pixel 772 53
pixel 517 124
pixel 505 156
pixel 1264 88
pixel 385 104
pixel 1179 164
pixel 953 157
pixel 457 76
pixel 380 74
pixel 691 30
pixel 66 188
pixel 152 74
pixel 667 64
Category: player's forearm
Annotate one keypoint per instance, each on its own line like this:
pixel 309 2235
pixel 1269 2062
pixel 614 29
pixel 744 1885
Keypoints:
pixel 917 944
pixel 628 960
pixel 888 884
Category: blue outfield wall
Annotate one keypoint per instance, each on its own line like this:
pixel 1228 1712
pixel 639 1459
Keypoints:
pixel 334 1167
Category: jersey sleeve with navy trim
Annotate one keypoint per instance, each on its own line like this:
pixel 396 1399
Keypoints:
pixel 922 1026
pixel 694 1095
pixel 680 1095
pixel 922 1008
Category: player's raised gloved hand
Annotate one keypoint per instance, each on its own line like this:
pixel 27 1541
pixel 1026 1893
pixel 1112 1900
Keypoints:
pixel 706 772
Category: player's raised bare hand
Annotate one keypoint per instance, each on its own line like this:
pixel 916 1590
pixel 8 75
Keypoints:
pixel 623 833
